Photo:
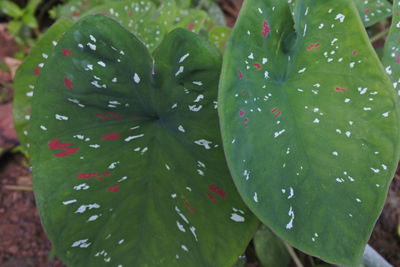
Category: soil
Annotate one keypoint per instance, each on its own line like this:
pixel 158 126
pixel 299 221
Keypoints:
pixel 23 242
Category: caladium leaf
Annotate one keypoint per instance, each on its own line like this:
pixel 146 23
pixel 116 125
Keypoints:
pixel 76 8
pixel 373 11
pixel 127 161
pixel 218 36
pixel 26 76
pixel 310 124
pixel 391 55
pixel 149 22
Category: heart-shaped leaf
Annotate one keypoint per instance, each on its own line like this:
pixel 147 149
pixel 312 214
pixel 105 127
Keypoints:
pixel 127 161
pixel 26 76
pixel 310 124
pixel 373 11
pixel 149 22
pixel 391 56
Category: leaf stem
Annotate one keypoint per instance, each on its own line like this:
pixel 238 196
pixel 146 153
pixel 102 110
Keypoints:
pixel 18 188
pixel 379 35
pixel 293 254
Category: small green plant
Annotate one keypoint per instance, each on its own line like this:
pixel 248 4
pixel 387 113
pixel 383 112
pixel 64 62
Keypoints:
pixel 134 166
pixel 23 20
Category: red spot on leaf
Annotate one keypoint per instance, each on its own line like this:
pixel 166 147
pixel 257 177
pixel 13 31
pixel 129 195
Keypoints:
pixel 367 10
pixel 36 71
pixel 114 188
pixel 354 52
pixel 258 66
pixel 85 3
pixel 115 116
pixel 57 145
pixel 313 46
pixel 191 209
pixel 190 27
pixel 101 116
pixel 130 14
pixel 111 136
pixel 211 197
pixel 244 92
pixel 217 191
pixel 89 175
pixel 68 83
pixel 398 58
pixel 67 52
pixel 275 110
pixel 76 14
pixel 241 113
pixel 341 89
pixel 266 29
pixel 240 73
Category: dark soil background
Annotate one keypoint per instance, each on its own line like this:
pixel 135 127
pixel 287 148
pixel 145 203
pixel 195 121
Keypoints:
pixel 23 242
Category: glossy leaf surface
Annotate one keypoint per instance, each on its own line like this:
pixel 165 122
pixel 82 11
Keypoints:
pixel 310 124
pixel 26 77
pixel 127 160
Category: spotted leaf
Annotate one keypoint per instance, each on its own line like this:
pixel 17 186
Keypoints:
pixel 149 21
pixel 310 124
pixel 127 160
pixel 26 76
pixel 218 36
pixel 391 57
pixel 373 11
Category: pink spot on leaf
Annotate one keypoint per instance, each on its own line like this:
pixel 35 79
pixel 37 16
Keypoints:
pixel 341 89
pixel 57 145
pixel 67 52
pixel 113 189
pixel 258 66
pixel 187 204
pixel 240 73
pixel 266 29
pixel 190 27
pixel 36 71
pixel 241 113
pixel 68 83
pixel 211 197
pixel 111 136
pixel 217 191
pixel 313 46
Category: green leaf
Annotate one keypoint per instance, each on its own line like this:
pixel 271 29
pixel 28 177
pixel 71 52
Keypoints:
pixel 127 160
pixel 218 36
pixel 30 21
pixel 32 6
pixel 391 54
pixel 270 249
pixel 14 26
pixel 149 22
pixel 310 124
pixel 26 77
pixel 11 9
pixel 373 11
pixel 75 8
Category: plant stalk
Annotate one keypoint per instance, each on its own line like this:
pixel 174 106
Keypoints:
pixel 379 35
pixel 293 254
